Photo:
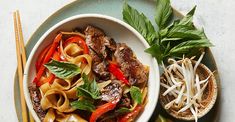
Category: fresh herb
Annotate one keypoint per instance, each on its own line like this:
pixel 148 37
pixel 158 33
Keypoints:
pixel 136 94
pixel 63 70
pixel 139 22
pixel 89 89
pixel 187 20
pixel 184 47
pixel 83 105
pixel 88 92
pixel 174 39
pixel 163 13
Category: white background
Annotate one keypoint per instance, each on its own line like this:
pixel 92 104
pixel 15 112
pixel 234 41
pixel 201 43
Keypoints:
pixel 216 16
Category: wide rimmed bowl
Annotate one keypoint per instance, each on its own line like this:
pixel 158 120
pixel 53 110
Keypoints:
pixel 117 29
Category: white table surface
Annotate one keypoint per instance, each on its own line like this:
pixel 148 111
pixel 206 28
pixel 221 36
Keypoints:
pixel 216 16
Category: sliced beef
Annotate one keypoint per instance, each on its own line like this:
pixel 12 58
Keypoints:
pixel 112 91
pixel 110 43
pixel 36 98
pixel 100 48
pixel 125 102
pixel 96 45
pixel 94 31
pixel 100 68
pixel 133 69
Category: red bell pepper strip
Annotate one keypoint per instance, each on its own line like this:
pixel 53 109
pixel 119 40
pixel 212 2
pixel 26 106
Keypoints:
pixel 80 41
pixel 103 109
pixel 41 58
pixel 51 77
pixel 48 57
pixel 132 115
pixel 116 71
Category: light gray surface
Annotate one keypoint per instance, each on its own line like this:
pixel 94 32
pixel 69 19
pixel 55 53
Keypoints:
pixel 216 17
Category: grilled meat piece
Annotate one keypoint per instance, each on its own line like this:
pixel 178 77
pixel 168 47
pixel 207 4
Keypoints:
pixel 132 68
pixel 110 43
pixel 125 102
pixel 101 70
pixel 98 44
pixel 36 98
pixel 112 91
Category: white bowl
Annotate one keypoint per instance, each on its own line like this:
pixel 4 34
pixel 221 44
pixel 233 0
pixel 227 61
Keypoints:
pixel 120 32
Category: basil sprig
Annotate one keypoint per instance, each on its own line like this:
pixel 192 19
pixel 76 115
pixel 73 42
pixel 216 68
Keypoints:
pixel 172 38
pixel 87 93
pixel 89 89
pixel 140 22
pixel 163 13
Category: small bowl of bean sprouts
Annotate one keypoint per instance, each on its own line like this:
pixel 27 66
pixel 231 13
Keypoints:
pixel 188 88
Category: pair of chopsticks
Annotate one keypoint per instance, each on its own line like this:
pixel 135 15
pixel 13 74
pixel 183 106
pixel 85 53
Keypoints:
pixel 21 61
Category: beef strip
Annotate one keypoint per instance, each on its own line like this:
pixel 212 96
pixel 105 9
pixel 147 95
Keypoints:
pixel 110 43
pixel 133 69
pixel 125 102
pixel 98 44
pixel 100 68
pixel 112 91
pixel 36 98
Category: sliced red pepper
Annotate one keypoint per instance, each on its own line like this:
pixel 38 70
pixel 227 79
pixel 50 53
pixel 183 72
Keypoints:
pixel 51 77
pixel 103 109
pixel 132 115
pixel 116 71
pixel 80 41
pixel 41 58
pixel 48 57
pixel 56 56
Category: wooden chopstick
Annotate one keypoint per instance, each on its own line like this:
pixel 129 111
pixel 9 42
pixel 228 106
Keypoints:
pixel 21 61
pixel 21 39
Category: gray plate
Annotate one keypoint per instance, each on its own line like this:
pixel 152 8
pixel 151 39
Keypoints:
pixel 112 8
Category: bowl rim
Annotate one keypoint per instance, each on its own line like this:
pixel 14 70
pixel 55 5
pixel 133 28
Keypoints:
pixel 100 16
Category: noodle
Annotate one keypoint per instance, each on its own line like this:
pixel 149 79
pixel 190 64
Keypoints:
pixel 69 83
pixel 56 96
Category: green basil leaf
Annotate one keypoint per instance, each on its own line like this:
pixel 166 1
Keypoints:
pixel 151 35
pixel 88 89
pixel 87 93
pixel 168 48
pixel 122 110
pixel 185 47
pixel 140 22
pixel 94 89
pixel 134 18
pixel 187 20
pixel 63 70
pixel 192 11
pixel 136 94
pixel 163 13
pixel 155 51
pixel 183 31
pixel 83 105
pixel 170 39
